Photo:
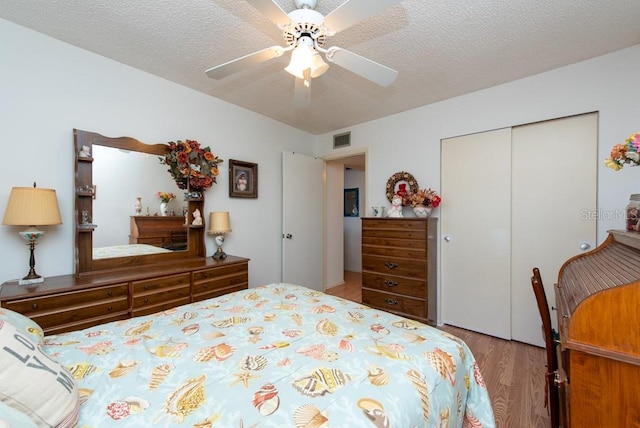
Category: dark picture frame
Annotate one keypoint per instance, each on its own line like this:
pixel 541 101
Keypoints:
pixel 243 179
pixel 351 203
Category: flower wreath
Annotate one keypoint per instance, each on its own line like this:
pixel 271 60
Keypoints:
pixel 191 166
pixel 401 179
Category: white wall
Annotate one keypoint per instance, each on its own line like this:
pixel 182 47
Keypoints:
pixel 410 141
pixel 354 179
pixel 47 88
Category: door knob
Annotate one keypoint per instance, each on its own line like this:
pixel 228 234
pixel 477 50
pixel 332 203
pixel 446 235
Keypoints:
pixel 447 238
pixel 288 236
pixel 585 246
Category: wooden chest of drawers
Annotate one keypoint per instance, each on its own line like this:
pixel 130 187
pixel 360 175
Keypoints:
pixel 66 302
pixel 399 266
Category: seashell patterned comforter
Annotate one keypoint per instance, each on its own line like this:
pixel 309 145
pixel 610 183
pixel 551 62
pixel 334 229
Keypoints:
pixel 280 355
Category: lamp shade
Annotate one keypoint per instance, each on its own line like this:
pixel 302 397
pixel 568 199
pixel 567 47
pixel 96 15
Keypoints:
pixel 318 66
pixel 32 206
pixel 219 222
pixel 300 60
pixel 304 57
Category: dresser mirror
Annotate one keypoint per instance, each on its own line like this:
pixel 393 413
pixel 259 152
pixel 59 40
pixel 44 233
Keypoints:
pixel 110 175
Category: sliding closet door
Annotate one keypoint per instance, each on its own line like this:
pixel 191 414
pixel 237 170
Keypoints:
pixel 554 165
pixel 475 227
pixel 514 199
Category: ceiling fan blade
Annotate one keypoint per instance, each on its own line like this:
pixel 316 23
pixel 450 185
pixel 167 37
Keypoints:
pixel 301 94
pixel 271 10
pixel 353 11
pixel 223 70
pixel 371 70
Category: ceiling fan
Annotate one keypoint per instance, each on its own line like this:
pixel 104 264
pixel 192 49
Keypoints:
pixel 305 33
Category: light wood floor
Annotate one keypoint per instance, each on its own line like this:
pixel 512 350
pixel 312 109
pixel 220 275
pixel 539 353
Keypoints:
pixel 513 371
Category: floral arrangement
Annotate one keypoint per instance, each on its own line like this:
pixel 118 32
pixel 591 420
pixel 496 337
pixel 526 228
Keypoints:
pixel 165 197
pixel 629 153
pixel 190 165
pixel 425 197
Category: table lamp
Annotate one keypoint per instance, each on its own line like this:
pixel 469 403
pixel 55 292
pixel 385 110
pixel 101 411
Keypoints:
pixel 218 226
pixel 32 206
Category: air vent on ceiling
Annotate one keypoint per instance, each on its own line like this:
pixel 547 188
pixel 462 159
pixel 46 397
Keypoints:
pixel 342 140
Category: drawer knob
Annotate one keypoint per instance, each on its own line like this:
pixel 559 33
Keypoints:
pixel 390 265
pixel 109 293
pixel 390 283
pixel 391 301
pixel 146 287
pixel 34 306
pixel 146 300
pixel 109 308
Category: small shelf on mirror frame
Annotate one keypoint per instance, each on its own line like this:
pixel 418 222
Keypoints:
pixel 84 193
pixel 195 226
pixel 87 227
pixel 83 159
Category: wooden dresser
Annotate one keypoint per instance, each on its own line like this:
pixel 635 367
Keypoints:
pixel 67 302
pixel 399 266
pixel 159 231
pixel 598 303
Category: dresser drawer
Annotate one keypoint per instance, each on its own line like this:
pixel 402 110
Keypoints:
pixel 420 252
pixel 403 305
pixel 168 301
pixel 174 289
pixel 399 226
pixel 218 292
pixel 59 327
pixel 394 266
pixel 157 285
pixel 70 309
pixel 72 299
pixel 218 281
pixel 395 284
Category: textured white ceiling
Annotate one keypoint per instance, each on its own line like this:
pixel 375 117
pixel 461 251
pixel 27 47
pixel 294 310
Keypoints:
pixel 441 49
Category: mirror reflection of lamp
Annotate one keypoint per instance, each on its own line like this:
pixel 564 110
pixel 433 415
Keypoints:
pixel 219 225
pixel 33 207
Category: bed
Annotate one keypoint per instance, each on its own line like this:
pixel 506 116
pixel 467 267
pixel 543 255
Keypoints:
pixel 279 355
pixel 127 250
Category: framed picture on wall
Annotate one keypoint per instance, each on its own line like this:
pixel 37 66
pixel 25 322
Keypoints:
pixel 351 203
pixel 243 179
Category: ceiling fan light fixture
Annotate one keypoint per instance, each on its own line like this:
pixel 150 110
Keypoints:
pixel 306 75
pixel 304 58
pixel 318 66
pixel 300 60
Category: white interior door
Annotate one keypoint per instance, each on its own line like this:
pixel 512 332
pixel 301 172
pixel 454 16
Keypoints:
pixel 302 220
pixel 475 228
pixel 554 166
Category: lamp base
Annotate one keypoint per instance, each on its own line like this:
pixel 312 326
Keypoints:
pixel 25 281
pixel 219 254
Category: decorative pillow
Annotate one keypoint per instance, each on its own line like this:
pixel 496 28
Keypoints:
pixel 23 324
pixel 33 383
pixel 12 418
